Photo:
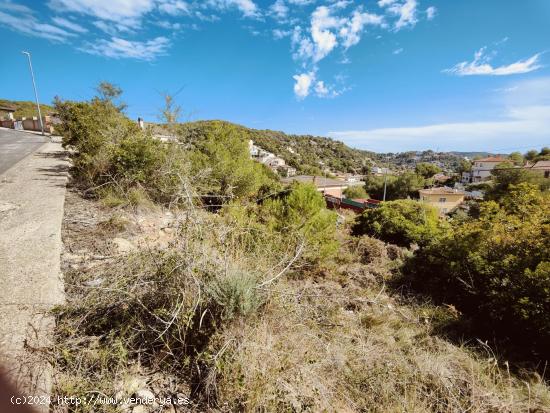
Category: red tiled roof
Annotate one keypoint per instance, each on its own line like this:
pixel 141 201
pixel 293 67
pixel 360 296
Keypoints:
pixel 492 159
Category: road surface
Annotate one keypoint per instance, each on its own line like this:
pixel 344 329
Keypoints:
pixel 32 194
pixel 15 145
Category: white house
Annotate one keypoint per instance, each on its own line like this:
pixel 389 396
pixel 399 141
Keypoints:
pixel 481 171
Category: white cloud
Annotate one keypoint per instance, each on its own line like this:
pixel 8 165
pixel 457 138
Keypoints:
pixel 125 12
pixel 14 7
pixel 301 2
pixel 60 21
pixel 481 66
pixel 247 7
pixel 118 48
pixel 431 13
pixel 321 89
pixel 30 26
pixel 323 39
pixel 351 31
pixel 165 24
pixel 398 51
pixel 279 9
pixel 524 124
pixel 405 10
pixel 174 7
pixel 325 31
pixel 280 34
pixel 302 84
pixel 302 46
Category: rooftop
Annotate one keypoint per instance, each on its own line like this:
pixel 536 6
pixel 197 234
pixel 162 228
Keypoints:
pixel 7 108
pixel 492 159
pixel 318 181
pixel 541 165
pixel 443 190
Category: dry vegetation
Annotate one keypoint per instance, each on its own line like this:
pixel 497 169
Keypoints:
pixel 192 275
pixel 182 304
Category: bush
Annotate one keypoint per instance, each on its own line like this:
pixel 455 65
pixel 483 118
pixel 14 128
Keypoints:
pixel 114 158
pixel 356 191
pixel 397 187
pixel 504 178
pixel 222 165
pixel 370 250
pixel 402 222
pixel 426 170
pixel 301 215
pixel 235 294
pixel 496 268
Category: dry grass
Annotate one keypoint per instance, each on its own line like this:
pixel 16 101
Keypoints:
pixel 199 318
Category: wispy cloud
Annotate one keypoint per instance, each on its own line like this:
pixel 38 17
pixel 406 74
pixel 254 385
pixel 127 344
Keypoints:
pixel 14 7
pixel 247 7
pixel 525 108
pixel 316 30
pixel 67 24
pixel 431 12
pixel 29 25
pixel 481 66
pixel 327 31
pixel 118 48
pixel 404 10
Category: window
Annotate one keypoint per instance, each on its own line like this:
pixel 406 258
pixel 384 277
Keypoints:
pixel 442 199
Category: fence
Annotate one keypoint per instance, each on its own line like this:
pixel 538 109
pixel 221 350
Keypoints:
pixel 29 124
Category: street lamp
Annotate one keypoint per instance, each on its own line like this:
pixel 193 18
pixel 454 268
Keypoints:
pixel 35 92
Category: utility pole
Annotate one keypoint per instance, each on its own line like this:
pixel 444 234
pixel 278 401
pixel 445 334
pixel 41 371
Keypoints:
pixel 35 92
pixel 385 178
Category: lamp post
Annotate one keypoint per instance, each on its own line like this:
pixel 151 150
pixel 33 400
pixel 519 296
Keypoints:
pixel 35 92
pixel 386 177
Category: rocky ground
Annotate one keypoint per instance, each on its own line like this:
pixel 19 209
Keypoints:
pixel 95 237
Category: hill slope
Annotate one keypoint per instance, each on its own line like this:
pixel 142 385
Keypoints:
pixel 308 154
pixel 26 108
pixel 313 154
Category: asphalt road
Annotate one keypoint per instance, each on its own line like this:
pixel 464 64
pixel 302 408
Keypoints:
pixel 14 146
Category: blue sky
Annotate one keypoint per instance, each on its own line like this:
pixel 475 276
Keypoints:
pixel 384 75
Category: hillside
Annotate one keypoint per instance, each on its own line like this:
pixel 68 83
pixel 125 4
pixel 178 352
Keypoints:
pixel 313 154
pixel 27 108
pixel 271 302
pixel 308 154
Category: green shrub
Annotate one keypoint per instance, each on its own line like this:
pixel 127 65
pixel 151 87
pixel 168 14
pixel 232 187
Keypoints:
pixel 235 294
pixel 356 191
pixel 116 159
pixel 426 170
pixel 301 215
pixel 222 165
pixel 402 222
pixel 496 268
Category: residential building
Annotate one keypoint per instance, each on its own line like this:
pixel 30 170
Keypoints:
pixel 542 167
pixel 350 177
pixel 445 199
pixel 7 112
pixel 481 171
pixel 466 177
pixel 440 178
pixel 286 171
pixel 273 161
pixel 375 170
pixel 327 186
